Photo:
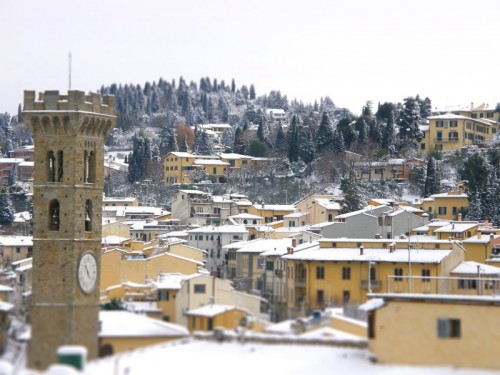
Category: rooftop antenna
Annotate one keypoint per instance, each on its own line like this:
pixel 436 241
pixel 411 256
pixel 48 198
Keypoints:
pixel 69 70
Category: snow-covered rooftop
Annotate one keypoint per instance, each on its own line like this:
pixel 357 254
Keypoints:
pixel 220 229
pixel 210 162
pixel 169 281
pixel 261 245
pixel 214 358
pixel 369 255
pixel 16 241
pixel 456 227
pixel 475 268
pixel 210 310
pixel 126 324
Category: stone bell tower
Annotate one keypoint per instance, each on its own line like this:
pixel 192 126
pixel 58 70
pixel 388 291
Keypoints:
pixel 69 133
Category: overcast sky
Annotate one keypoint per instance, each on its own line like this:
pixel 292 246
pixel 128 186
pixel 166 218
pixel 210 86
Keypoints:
pixel 349 50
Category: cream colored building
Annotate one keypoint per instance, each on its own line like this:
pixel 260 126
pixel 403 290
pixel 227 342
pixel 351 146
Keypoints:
pixel 434 330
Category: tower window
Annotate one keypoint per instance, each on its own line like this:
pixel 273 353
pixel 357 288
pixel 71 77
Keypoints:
pixel 54 215
pixel 51 166
pixel 89 166
pixel 88 215
pixel 59 165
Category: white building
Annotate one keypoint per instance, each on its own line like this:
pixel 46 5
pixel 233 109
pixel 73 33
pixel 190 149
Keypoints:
pixel 212 239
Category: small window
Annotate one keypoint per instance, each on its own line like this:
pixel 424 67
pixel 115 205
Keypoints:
pixel 448 328
pixel 320 273
pixel 163 295
pixel 398 272
pixel 426 274
pixel 199 288
pixel 346 273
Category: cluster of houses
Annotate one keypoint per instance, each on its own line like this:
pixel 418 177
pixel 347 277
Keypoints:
pixel 224 262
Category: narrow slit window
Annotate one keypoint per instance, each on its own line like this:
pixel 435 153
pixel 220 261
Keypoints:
pixel 54 219
pixel 88 215
pixel 60 163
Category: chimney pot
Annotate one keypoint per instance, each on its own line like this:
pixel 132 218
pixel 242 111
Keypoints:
pixel 361 250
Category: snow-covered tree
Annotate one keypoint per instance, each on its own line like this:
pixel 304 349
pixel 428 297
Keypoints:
pixel 324 134
pixel 6 210
pixel 353 196
pixel 409 122
pixel 432 178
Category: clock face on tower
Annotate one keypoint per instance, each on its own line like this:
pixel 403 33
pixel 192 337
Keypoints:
pixel 87 272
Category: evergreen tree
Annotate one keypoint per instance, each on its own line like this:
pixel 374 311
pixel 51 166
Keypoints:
pixel 409 122
pixel 228 138
pixel 325 133
pixel 432 179
pixel 293 140
pixel 252 92
pixel 338 142
pixel 353 196
pixel 20 119
pixel 362 129
pixel 203 144
pixel 347 130
pixel 475 208
pixel 388 135
pixel 140 157
pixel 6 210
pixel 280 139
pixel 474 172
pixel 307 145
pixel 184 145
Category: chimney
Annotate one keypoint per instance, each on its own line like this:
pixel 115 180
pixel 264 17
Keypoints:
pixel 361 250
pixel 294 242
pixel 459 218
pixel 486 222
pixel 478 234
pixel 392 247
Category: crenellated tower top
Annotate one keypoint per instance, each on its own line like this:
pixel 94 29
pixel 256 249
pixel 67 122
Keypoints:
pixel 72 114
pixel 75 101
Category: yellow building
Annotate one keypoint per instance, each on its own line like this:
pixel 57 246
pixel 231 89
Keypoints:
pixel 271 212
pixel 480 247
pixel 341 271
pixel 444 206
pixel 457 230
pixel 319 208
pixel 178 167
pixel 120 201
pixel 211 316
pixel 450 132
pixel 381 170
pixel 215 169
pixel 122 331
pixel 14 248
pixel 434 330
pixel 236 160
pixel 118 266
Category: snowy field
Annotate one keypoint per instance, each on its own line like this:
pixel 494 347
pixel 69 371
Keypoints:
pixel 206 357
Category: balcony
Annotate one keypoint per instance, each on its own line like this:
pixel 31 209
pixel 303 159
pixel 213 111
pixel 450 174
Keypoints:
pixel 373 284
pixel 300 282
pixel 445 140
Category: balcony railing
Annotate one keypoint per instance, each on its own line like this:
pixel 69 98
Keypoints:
pixel 371 284
pixel 445 140
pixel 300 282
pixel 443 285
